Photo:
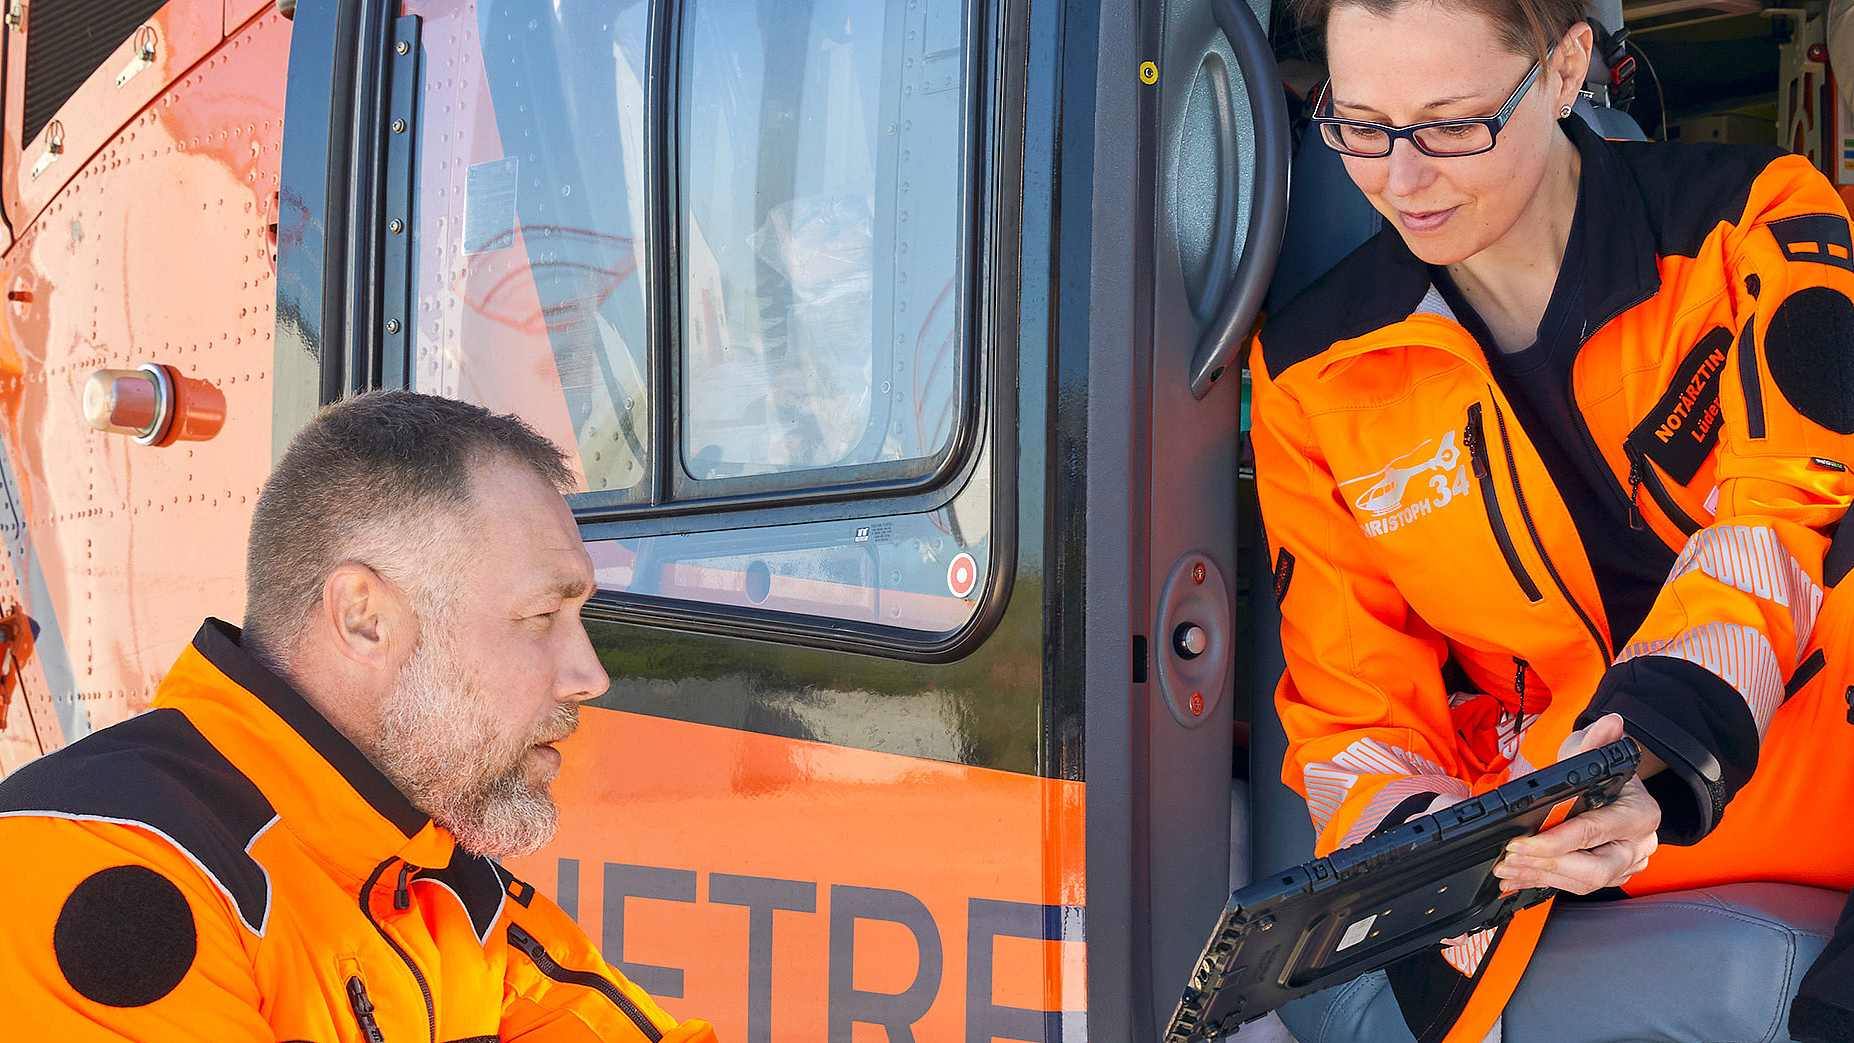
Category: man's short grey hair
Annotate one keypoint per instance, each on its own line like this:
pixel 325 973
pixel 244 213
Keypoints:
pixel 384 479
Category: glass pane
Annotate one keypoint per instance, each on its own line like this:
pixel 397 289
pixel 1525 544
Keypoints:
pixel 920 572
pixel 822 159
pixel 530 222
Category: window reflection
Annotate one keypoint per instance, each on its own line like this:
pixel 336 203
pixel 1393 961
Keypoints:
pixel 822 150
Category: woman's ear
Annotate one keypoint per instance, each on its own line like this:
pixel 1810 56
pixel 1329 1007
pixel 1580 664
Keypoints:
pixel 1570 64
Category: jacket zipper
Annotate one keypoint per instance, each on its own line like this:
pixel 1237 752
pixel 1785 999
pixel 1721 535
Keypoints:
pixel 1476 443
pixel 545 963
pixel 363 1011
pixel 1532 530
pixel 366 904
pixel 1640 474
pixel 1754 388
pixel 1519 687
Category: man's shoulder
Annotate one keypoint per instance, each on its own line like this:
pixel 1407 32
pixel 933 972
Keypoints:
pixel 155 772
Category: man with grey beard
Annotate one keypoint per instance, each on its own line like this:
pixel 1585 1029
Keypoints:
pixel 297 840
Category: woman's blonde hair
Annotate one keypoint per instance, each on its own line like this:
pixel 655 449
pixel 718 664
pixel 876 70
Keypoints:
pixel 1526 26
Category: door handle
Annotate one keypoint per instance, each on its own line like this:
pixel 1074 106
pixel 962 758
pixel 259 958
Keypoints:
pixel 1242 299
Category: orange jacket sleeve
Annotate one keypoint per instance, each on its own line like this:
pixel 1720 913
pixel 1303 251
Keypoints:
pixel 113 934
pixel 1362 698
pixel 1742 598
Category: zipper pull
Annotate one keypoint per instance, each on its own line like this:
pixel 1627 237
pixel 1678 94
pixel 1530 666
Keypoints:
pixel 525 942
pixel 1635 490
pixel 402 895
pixel 1477 449
pixel 363 1011
pixel 1519 687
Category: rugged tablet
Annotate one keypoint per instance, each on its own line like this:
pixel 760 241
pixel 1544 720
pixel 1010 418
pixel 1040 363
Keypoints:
pixel 1364 906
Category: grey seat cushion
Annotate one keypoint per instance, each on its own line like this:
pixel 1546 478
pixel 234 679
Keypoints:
pixel 1716 965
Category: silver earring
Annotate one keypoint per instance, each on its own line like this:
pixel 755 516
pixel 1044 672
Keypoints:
pixel 1566 111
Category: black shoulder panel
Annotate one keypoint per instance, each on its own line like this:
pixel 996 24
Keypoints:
pixel 479 886
pixel 158 772
pixel 1378 284
pixel 1688 190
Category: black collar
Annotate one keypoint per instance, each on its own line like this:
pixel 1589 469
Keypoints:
pixel 219 642
pixel 1619 247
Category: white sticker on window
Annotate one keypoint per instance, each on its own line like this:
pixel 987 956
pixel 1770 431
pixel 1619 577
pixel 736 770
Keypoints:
pixel 489 204
pixel 1356 933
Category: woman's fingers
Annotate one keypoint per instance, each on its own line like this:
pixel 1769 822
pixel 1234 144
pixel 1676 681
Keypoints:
pixel 1597 849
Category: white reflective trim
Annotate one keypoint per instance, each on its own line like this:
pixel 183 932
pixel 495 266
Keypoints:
pixel 257 929
pixel 1328 782
pixel 1467 956
pixel 1395 792
pixel 1755 561
pixel 1739 655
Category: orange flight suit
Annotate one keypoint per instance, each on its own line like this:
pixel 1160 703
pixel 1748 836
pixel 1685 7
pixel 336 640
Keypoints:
pixel 1418 534
pixel 227 866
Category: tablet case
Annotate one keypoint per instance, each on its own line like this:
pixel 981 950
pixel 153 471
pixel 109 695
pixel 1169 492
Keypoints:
pixel 1371 903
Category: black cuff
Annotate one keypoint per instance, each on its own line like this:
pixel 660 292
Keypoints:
pixel 1697 723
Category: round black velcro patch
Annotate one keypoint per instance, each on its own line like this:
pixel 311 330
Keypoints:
pixel 125 937
pixel 1810 350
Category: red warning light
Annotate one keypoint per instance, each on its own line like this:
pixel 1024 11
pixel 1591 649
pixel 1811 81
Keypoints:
pixel 1197 704
pixel 962 575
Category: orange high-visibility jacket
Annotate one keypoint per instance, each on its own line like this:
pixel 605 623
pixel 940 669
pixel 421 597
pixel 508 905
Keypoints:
pixel 1414 523
pixel 227 866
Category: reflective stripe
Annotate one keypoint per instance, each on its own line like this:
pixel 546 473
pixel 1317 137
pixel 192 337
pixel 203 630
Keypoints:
pixel 1328 782
pixel 1755 561
pixel 1467 956
pixel 1396 792
pixel 1740 655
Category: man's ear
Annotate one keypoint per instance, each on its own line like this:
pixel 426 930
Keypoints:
pixel 367 618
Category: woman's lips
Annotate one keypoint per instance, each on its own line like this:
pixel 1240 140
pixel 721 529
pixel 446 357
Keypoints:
pixel 1424 220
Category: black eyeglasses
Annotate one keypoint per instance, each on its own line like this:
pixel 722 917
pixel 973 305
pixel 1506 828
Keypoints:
pixel 1443 139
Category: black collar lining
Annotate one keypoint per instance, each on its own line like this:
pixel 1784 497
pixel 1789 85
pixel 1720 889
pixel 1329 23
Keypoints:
pixel 219 642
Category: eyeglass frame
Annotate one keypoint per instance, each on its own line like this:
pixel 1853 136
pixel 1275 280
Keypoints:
pixel 1493 123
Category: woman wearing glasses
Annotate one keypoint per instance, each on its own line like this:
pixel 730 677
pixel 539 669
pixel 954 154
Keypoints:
pixel 1554 457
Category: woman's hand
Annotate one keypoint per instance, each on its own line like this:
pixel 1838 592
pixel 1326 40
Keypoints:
pixel 1597 849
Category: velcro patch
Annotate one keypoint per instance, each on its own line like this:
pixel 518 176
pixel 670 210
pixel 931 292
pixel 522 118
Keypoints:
pixel 1822 238
pixel 1681 429
pixel 125 937
pixel 1809 347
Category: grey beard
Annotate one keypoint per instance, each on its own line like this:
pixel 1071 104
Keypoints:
pixel 431 744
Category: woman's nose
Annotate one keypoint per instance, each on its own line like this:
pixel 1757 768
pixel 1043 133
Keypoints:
pixel 1409 170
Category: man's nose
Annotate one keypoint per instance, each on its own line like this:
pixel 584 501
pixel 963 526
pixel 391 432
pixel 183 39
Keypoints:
pixel 582 676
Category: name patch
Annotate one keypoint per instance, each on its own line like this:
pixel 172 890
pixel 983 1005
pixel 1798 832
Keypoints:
pixel 1680 431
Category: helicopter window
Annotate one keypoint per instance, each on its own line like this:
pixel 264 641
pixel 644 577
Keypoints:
pixel 821 153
